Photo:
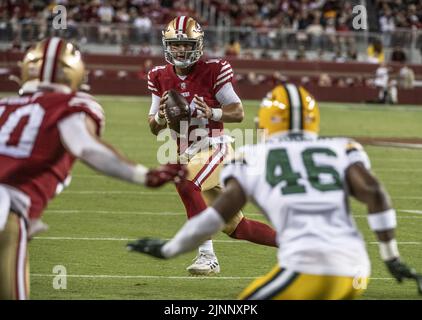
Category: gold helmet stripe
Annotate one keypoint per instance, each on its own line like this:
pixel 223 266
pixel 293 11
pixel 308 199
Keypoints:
pixel 48 68
pixel 295 108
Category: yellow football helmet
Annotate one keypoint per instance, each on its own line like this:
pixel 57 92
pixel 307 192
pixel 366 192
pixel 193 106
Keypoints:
pixel 185 30
pixel 53 60
pixel 289 109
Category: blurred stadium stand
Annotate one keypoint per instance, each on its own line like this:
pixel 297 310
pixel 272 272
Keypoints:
pixel 308 42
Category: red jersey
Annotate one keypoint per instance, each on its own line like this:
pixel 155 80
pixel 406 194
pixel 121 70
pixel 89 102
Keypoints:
pixel 205 80
pixel 32 157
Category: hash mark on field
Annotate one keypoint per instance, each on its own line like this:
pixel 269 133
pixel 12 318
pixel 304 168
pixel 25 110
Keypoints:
pixel 129 239
pixel 110 276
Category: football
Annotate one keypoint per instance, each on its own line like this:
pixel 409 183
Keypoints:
pixel 176 110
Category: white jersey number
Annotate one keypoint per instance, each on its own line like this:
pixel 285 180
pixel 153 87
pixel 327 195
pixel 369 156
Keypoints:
pixel 23 148
pixel 279 159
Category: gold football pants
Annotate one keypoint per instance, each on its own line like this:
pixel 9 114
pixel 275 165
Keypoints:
pixel 14 266
pixel 283 284
pixel 204 171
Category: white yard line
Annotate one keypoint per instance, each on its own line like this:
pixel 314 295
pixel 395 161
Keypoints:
pixel 398 170
pixel 141 213
pixel 412 211
pixel 110 276
pixel 132 239
pixel 150 193
pixel 169 213
pixel 406 198
pixel 174 193
pixel 401 160
pixel 114 239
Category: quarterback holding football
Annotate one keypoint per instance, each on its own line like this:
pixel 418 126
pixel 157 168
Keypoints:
pixel 207 87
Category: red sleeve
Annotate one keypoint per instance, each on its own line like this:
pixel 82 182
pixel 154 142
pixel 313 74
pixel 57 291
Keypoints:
pixel 85 103
pixel 153 83
pixel 223 75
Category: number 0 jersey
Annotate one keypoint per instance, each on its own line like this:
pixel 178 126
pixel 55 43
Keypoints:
pixel 300 186
pixel 33 161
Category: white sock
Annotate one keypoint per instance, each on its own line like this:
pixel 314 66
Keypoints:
pixel 206 247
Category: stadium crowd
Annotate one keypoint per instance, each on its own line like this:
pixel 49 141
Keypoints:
pixel 312 29
pixel 312 23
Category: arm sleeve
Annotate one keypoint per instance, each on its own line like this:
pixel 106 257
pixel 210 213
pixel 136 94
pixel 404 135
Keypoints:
pixel 226 95
pixel 155 104
pixel 223 75
pixel 153 84
pixel 78 141
pixel 194 232
pixel 356 153
pixel 82 102
pixel 242 168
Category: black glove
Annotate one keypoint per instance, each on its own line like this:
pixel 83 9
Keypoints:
pixel 149 246
pixel 401 271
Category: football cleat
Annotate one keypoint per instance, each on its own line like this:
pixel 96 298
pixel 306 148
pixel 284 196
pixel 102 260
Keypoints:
pixel 205 264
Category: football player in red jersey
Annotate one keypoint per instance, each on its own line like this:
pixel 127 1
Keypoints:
pixel 207 86
pixel 42 132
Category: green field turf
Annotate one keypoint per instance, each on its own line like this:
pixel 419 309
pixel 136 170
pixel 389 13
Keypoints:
pixel 92 220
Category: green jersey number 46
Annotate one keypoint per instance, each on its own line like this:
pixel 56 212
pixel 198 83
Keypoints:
pixel 278 160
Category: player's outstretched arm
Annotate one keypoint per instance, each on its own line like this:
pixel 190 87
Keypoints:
pixel 365 187
pixel 199 228
pixel 78 135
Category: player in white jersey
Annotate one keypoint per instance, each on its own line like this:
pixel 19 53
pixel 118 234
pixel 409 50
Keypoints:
pixel 302 184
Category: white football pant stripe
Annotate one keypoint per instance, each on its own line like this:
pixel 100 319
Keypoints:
pixel 273 286
pixel 211 166
pixel 21 263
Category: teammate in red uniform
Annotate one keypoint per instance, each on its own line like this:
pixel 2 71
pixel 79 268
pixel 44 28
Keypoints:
pixel 42 132
pixel 207 86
